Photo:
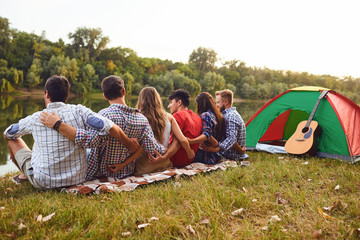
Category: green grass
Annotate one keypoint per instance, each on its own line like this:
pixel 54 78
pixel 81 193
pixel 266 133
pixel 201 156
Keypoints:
pixel 210 196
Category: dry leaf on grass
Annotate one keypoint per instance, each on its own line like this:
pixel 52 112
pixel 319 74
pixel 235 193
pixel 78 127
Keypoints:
pixel 326 216
pixel 336 206
pixel 279 200
pixel 153 219
pixel 205 221
pixel 21 226
pixel 140 226
pixel 190 230
pixel 47 218
pixel 125 234
pixel 237 212
pixel 244 189
pixel 274 219
pixel 9 189
pixel 337 187
pixel 317 234
pixel 40 218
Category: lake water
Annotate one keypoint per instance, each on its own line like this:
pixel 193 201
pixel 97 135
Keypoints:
pixel 15 108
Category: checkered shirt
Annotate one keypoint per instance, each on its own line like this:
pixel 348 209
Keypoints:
pixel 209 126
pixel 235 132
pixel 57 161
pixel 108 150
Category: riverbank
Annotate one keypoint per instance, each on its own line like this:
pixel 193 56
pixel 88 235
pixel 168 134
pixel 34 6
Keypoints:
pixel 39 93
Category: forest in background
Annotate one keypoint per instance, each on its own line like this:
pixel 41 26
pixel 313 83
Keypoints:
pixel 27 60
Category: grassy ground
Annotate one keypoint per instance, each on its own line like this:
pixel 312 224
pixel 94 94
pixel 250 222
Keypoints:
pixel 200 206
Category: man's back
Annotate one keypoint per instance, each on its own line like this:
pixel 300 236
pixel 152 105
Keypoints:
pixel 191 125
pixel 111 151
pixel 56 160
pixel 235 132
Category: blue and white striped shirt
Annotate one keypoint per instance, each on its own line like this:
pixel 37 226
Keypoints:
pixel 57 161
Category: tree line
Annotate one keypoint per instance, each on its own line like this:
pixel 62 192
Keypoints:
pixel 27 60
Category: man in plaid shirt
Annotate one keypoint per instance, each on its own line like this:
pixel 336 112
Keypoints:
pixel 107 151
pixel 55 161
pixel 235 127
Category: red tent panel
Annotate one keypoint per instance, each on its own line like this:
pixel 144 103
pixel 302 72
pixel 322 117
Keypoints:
pixel 349 116
pixel 276 129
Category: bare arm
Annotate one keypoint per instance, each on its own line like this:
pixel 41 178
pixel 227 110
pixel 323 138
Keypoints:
pixel 49 119
pixel 180 137
pixel 199 139
pixel 238 148
pixel 131 143
pixel 214 146
pixel 117 167
pixel 173 148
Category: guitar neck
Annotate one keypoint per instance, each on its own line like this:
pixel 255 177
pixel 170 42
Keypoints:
pixel 323 94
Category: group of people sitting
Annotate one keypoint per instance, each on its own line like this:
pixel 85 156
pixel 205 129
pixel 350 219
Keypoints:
pixel 73 144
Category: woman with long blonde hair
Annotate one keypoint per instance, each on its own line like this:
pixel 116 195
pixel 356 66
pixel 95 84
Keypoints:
pixel 162 124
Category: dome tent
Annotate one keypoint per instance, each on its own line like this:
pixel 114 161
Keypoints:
pixel 338 117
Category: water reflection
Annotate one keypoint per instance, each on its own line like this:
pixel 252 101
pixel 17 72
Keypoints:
pixel 15 108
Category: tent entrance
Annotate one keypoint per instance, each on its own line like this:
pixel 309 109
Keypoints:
pixel 283 127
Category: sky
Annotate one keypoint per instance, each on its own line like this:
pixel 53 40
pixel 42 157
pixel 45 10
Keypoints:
pixel 314 36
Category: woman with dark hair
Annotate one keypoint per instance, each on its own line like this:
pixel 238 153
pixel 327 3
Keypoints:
pixel 213 125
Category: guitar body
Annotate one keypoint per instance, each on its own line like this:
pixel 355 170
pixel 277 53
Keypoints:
pixel 304 140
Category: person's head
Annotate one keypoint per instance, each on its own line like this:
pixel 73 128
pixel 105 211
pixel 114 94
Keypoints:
pixel 206 103
pixel 150 105
pixel 224 99
pixel 179 99
pixel 113 87
pixel 57 88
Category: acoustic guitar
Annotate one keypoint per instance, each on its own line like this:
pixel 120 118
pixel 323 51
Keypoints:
pixel 305 138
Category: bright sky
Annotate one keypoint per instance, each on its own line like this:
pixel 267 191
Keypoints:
pixel 315 36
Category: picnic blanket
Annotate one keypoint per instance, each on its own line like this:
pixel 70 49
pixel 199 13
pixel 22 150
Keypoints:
pixel 110 184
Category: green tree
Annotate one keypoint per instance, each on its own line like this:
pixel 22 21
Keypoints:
pixel 181 81
pixel 204 59
pixel 212 82
pixel 60 65
pixel 87 43
pixel 5 38
pixel 33 75
pixel 129 81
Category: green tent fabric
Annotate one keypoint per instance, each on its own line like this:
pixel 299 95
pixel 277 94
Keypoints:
pixel 277 120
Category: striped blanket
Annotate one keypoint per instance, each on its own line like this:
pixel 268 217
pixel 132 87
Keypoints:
pixel 108 184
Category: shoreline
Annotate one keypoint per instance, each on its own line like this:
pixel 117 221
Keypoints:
pixel 39 93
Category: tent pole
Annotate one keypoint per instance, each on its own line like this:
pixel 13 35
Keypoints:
pixel 351 153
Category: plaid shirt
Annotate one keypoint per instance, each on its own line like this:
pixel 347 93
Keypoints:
pixel 108 150
pixel 209 126
pixel 235 132
pixel 57 161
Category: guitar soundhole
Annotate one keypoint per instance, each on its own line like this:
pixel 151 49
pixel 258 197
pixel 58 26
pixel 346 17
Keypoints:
pixel 305 129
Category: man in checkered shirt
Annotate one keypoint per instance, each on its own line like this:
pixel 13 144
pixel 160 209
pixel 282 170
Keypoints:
pixel 233 146
pixel 235 127
pixel 56 161
pixel 109 157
